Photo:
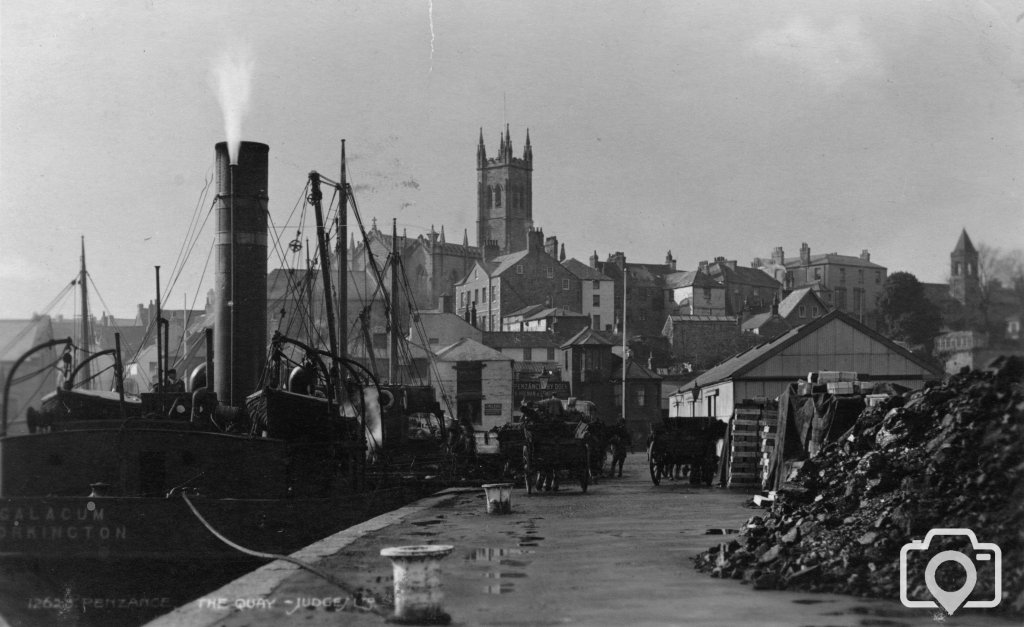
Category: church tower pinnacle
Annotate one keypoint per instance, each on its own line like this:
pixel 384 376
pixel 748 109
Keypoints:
pixel 964 282
pixel 504 195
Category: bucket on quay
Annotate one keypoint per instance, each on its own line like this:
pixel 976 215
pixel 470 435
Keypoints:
pixel 418 589
pixel 498 497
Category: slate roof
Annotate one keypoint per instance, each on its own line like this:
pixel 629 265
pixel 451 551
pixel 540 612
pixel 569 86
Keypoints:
pixel 790 303
pixel 767 324
pixel 964 245
pixel 520 339
pixel 843 260
pixel 741 275
pixel 502 263
pixel 588 337
pixel 694 278
pixel 634 370
pixel 584 272
pixel 470 350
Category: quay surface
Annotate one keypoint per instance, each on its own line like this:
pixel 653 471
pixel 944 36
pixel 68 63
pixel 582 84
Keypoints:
pixel 617 555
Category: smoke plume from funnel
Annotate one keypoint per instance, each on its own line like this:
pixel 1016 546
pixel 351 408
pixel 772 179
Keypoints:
pixel 233 76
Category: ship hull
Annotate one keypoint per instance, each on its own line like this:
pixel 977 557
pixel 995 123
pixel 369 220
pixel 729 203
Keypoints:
pixel 122 561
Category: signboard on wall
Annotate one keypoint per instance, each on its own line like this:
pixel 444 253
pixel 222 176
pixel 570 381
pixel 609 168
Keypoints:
pixel 538 390
pixel 492 409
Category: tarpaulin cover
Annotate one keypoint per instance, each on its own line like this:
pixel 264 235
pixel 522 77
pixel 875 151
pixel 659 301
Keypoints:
pixel 806 423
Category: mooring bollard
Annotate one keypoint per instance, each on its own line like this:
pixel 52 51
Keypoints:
pixel 498 497
pixel 418 589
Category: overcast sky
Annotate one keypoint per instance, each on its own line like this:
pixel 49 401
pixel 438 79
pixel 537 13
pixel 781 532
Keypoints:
pixel 705 128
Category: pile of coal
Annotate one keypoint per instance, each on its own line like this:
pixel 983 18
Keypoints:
pixel 949 456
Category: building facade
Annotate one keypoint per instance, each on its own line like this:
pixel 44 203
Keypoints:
pixel 597 294
pixel 498 286
pixel 642 285
pixel 696 294
pixel 853 285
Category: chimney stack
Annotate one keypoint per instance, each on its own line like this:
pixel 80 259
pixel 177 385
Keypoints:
pixel 551 246
pixel 865 255
pixel 240 312
pixel 778 256
pixel 805 254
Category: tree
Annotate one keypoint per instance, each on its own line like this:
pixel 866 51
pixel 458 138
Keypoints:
pixel 906 313
pixel 998 271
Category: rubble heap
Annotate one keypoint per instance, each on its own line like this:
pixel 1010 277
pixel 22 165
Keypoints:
pixel 947 456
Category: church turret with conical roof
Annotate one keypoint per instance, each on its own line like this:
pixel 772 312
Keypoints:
pixel 964 281
pixel 505 195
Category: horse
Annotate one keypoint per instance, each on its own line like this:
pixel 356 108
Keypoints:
pixel 617 447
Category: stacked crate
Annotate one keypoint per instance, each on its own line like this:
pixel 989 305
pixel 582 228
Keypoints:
pixel 746 451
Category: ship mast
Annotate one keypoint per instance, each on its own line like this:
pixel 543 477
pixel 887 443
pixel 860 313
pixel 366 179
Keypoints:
pixel 393 322
pixel 325 265
pixel 86 343
pixel 342 259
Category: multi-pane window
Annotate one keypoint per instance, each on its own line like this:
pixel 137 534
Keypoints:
pixel 565 284
pixel 527 354
pixel 597 300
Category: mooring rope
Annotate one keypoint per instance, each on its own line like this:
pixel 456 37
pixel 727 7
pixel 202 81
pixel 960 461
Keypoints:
pixel 287 558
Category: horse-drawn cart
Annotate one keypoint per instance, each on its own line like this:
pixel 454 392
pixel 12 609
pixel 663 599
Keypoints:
pixel 685 442
pixel 550 455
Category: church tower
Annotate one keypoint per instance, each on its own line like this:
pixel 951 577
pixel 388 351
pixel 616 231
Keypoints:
pixel 504 195
pixel 964 283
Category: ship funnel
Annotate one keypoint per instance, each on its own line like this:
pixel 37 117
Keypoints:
pixel 240 332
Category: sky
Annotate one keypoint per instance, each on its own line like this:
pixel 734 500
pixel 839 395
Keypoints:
pixel 706 129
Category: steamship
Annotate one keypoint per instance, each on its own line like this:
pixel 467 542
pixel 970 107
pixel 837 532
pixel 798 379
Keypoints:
pixel 120 499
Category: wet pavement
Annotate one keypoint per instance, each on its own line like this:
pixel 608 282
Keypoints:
pixel 621 554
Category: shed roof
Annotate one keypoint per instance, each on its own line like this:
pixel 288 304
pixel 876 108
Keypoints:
pixel 738 365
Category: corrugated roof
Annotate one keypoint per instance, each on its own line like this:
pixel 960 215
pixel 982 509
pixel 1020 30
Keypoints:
pixel 554 312
pixel 743 362
pixel 525 311
pixel 700 318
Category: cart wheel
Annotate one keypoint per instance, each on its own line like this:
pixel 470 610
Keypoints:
pixel 655 479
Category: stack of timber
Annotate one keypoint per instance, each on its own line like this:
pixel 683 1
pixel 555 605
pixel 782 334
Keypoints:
pixel 744 447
